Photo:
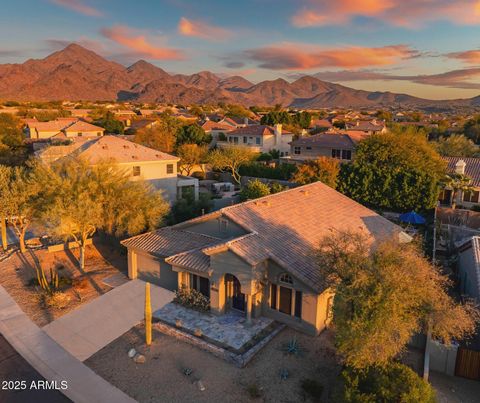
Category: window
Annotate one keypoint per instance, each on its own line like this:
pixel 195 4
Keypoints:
pixel 136 171
pixel 309 148
pixel 298 304
pixel 257 140
pixel 235 140
pixel 336 153
pixel 99 134
pixel 169 168
pixel 346 155
pixel 245 139
pixel 471 197
pixel 273 296
pixel 297 150
pixel 286 278
pixel 79 134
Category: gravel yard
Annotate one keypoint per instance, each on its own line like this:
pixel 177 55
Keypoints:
pixel 18 274
pixel 161 378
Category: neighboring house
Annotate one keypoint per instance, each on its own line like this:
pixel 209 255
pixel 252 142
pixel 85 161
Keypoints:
pixel 62 128
pixel 469 268
pixel 335 144
pixel 258 257
pixel 217 129
pixel 157 168
pixel 367 126
pixel 320 125
pixel 139 124
pixel 260 138
pixel 464 166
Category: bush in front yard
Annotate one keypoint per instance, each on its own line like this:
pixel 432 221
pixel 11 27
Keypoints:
pixel 394 383
pixel 192 299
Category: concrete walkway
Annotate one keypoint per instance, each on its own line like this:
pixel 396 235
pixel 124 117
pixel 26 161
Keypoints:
pixel 92 326
pixel 51 360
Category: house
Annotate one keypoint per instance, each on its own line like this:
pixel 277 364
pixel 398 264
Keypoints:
pixel 463 166
pixel 320 125
pixel 62 128
pixel 367 126
pixel 260 138
pixel 218 130
pixel 157 168
pixel 258 257
pixel 469 268
pixel 334 144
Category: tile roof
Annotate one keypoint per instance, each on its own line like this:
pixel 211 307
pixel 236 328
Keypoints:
pixel 167 241
pixel 122 151
pixel 472 169
pixel 81 126
pixel 211 125
pixel 194 260
pixel 104 148
pixel 52 125
pixel 257 130
pixel 330 140
pixel 285 227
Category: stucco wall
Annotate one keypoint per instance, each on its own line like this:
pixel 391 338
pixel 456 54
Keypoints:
pixel 156 271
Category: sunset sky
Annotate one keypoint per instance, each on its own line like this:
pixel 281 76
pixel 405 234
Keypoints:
pixel 427 48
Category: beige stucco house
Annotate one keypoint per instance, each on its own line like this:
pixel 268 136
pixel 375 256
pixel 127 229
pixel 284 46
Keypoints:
pixel 156 167
pixel 260 138
pixel 62 128
pixel 333 144
pixel 257 257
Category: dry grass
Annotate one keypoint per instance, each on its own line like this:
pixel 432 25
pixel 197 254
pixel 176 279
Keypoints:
pixel 18 274
pixel 161 378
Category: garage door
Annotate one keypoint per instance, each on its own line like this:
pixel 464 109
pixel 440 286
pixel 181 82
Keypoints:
pixel 157 272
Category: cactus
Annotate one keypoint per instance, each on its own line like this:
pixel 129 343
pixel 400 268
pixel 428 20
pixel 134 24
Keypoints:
pixel 50 287
pixel 148 315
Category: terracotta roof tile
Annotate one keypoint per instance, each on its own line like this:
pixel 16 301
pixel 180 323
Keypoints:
pixel 472 169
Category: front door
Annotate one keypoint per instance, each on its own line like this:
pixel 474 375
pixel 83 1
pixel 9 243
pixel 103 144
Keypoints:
pixel 237 297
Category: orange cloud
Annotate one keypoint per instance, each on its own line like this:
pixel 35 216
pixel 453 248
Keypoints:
pixel 295 56
pixel 79 7
pixel 138 43
pixel 397 12
pixel 203 30
pixel 468 56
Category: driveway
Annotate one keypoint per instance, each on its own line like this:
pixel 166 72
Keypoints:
pixel 91 327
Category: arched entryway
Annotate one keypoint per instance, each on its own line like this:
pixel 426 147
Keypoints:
pixel 233 292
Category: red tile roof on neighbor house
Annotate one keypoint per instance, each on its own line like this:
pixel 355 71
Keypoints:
pixel 472 167
pixel 210 125
pixel 256 130
pixel 82 126
pixel 285 227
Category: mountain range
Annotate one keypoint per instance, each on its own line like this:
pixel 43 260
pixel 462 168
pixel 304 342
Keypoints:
pixel 76 73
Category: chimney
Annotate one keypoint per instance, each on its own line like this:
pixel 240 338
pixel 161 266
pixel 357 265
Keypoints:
pixel 303 133
pixel 277 129
pixel 245 121
pixel 460 167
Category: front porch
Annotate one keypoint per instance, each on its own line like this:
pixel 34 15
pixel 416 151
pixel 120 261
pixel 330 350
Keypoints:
pixel 230 330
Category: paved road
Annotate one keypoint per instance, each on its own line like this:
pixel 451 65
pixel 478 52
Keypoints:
pixel 13 367
pixel 92 326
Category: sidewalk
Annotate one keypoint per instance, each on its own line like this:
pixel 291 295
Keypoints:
pixel 52 361
pixel 92 326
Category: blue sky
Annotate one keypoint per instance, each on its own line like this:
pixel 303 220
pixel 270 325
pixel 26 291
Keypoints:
pixel 428 48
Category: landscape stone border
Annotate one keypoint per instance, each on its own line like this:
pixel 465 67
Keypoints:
pixel 240 360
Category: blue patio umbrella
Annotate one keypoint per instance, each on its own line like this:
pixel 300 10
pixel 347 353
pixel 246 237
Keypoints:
pixel 412 218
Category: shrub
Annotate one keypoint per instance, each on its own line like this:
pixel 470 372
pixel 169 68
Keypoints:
pixel 282 172
pixel 193 299
pixel 393 383
pixel 254 189
pixel 312 389
pixel 475 208
pixel 199 175
pixel 254 392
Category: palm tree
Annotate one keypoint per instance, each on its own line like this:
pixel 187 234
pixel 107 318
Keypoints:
pixel 457 182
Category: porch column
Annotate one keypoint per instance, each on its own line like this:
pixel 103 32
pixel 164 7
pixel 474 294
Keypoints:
pixel 249 308
pixel 180 283
pixel 132 264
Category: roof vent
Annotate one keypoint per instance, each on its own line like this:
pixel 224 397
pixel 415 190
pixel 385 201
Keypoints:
pixel 134 157
pixel 305 192
pixel 267 203
pixel 104 146
pixel 125 146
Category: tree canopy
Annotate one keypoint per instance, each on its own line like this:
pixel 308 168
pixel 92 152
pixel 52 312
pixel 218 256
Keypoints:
pixel 396 170
pixel 384 296
pixel 472 129
pixel 231 159
pixel 193 134
pixel 110 123
pixel 161 136
pixel 323 169
pixel 254 189
pixel 12 150
pixel 456 145
pixel 190 156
